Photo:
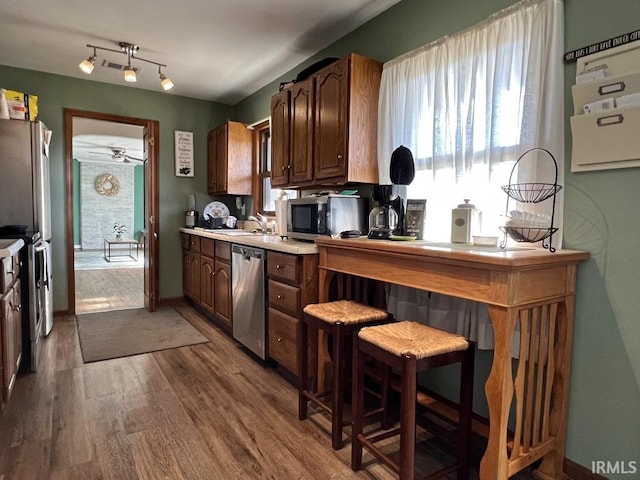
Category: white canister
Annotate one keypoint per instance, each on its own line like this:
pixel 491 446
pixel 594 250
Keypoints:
pixel 466 221
pixel 281 213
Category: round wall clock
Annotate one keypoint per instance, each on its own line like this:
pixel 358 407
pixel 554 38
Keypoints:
pixel 107 184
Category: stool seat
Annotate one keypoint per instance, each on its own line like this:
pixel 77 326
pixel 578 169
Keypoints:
pixel 413 338
pixel 410 348
pixel 340 319
pixel 345 311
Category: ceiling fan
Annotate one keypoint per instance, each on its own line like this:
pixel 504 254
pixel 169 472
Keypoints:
pixel 119 154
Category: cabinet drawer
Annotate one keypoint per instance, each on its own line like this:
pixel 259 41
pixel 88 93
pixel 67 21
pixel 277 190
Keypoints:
pixel 186 241
pixel 194 243
pixel 283 339
pixel 223 250
pixel 284 297
pixel 283 266
pixel 206 247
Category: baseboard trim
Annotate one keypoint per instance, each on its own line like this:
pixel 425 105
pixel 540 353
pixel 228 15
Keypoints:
pixel 575 471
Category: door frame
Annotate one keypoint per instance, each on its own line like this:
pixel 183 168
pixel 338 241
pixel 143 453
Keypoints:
pixel 151 182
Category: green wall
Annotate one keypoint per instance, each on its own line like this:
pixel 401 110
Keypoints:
pixel 55 93
pixel 604 411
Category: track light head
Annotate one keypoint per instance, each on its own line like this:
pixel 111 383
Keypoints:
pixel 165 81
pixel 87 64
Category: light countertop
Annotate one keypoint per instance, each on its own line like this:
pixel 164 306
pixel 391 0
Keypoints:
pixel 8 247
pixel 268 242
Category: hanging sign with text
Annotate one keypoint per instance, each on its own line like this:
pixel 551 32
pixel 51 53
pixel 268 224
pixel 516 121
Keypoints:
pixel 184 153
pixel 602 46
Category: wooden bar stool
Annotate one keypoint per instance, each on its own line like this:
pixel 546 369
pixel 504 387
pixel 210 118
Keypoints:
pixel 411 347
pixel 340 319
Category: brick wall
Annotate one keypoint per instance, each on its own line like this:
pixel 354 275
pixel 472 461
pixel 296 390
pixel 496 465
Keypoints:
pixel 98 212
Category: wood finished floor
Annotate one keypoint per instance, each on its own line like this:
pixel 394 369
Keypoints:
pixel 207 411
pixel 109 289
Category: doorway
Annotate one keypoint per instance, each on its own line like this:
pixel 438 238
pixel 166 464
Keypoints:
pixel 125 148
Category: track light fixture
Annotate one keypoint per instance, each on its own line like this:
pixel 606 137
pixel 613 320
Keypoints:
pixel 130 51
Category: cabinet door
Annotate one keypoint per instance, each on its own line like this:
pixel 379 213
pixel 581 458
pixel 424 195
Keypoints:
pixel 221 166
pixel 301 133
pixel 11 333
pixel 206 283
pixel 186 273
pixel 280 139
pixel 211 162
pixel 330 134
pixel 194 274
pixel 222 292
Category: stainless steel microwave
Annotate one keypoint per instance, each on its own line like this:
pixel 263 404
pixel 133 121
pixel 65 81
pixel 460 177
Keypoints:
pixel 309 217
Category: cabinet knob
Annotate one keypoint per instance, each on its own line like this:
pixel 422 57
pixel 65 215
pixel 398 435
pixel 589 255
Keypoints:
pixel 283 167
pixel 339 157
pixel 278 267
pixel 279 339
pixel 289 167
pixel 279 297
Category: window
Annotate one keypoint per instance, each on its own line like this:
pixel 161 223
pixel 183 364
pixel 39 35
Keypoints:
pixel 265 196
pixel 467 105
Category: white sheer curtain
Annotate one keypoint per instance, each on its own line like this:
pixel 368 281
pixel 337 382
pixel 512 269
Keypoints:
pixel 467 106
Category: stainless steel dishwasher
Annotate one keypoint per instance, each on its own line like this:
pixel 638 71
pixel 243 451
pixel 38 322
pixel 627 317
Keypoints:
pixel 248 293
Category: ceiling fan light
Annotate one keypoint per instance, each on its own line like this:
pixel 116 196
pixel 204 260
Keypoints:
pixel 166 82
pixel 130 74
pixel 87 65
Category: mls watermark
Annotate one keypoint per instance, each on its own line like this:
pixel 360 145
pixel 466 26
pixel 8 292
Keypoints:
pixel 608 467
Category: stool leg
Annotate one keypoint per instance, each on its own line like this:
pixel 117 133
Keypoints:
pixel 466 411
pixel 337 386
pixel 384 397
pixel 408 418
pixel 357 401
pixel 303 369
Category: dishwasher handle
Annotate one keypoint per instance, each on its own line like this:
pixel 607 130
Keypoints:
pixel 247 252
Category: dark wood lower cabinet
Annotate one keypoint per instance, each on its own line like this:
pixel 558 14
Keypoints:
pixel 10 326
pixel 206 275
pixel 292 283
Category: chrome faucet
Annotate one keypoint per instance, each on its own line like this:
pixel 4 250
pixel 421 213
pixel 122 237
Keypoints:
pixel 262 220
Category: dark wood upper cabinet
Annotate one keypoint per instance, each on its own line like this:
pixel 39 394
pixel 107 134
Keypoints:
pixel 229 160
pixel 324 129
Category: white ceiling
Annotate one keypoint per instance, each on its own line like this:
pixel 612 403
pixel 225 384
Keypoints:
pixel 219 50
pixel 95 140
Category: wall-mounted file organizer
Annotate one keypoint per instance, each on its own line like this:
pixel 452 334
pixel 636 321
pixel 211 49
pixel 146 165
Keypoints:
pixel 607 137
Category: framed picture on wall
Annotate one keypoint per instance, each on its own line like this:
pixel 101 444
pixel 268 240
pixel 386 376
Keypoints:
pixel 183 144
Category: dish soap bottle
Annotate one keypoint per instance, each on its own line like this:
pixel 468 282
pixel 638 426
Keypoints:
pixel 466 221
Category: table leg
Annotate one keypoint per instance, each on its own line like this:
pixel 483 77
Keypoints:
pixel 499 392
pixel 551 466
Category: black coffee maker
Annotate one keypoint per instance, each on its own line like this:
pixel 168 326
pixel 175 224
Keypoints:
pixel 384 219
pixel 387 218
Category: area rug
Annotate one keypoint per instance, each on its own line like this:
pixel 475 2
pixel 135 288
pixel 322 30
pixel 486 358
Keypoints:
pixel 122 333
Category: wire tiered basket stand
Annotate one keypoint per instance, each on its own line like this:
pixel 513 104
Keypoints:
pixel 532 193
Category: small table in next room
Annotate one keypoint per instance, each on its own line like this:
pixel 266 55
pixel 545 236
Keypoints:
pixel 119 241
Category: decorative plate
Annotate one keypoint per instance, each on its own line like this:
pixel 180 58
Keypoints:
pixel 215 210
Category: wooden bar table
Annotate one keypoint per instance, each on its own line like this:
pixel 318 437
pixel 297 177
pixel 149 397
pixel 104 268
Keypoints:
pixel 528 286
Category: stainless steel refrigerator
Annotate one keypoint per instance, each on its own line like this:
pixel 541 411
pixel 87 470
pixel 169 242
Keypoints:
pixel 25 212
